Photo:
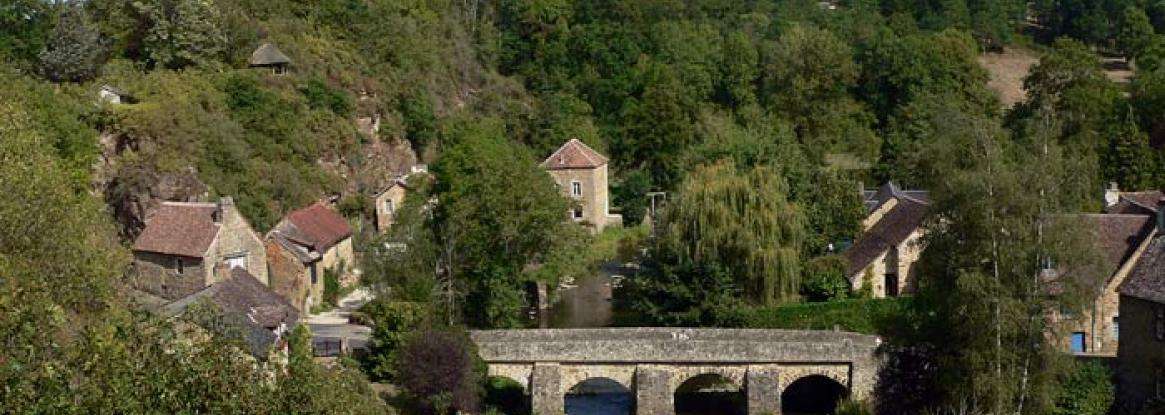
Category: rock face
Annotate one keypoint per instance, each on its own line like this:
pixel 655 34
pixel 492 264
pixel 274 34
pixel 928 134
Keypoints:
pixel 135 192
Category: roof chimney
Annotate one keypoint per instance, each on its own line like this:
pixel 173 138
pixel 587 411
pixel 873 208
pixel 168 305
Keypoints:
pixel 1112 194
pixel 225 205
pixel 1161 216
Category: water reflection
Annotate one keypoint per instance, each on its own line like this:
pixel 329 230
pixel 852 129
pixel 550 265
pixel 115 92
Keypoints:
pixel 587 301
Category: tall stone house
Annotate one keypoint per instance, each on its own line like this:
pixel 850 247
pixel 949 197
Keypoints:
pixel 1120 240
pixel 581 173
pixel 1141 356
pixel 883 258
pixel 305 245
pixel 185 247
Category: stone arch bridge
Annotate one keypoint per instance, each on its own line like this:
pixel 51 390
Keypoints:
pixel 653 362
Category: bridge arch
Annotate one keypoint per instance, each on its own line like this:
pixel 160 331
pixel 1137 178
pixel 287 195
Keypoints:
pixel 710 393
pixel 813 394
pixel 598 395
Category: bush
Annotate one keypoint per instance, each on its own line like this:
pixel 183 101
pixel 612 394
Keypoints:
pixel 869 316
pixel 825 279
pixel 331 287
pixel 391 322
pixel 437 369
pixel 1086 390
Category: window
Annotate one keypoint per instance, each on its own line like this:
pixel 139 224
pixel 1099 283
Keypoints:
pixel 1116 327
pixel 575 189
pixel 179 266
pixel 576 213
pixel 1160 324
pixel 1079 343
pixel 314 273
pixel 891 285
pixel 389 207
pixel 237 261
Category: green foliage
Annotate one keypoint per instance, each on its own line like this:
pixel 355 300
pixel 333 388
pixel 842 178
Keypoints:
pixel 392 322
pixel 180 33
pixel 726 234
pixel 498 212
pixel 1136 33
pixel 73 52
pixel 825 279
pixel 321 96
pixel 870 316
pixel 331 287
pixel 1086 390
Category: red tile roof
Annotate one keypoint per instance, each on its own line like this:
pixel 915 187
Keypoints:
pixel 186 229
pixel 317 226
pixel 574 155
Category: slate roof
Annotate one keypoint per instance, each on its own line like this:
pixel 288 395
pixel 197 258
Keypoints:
pixel 1144 202
pixel 1147 279
pixel 1116 236
pixel 873 198
pixel 177 228
pixel 574 155
pixel 892 229
pixel 316 226
pixel 244 300
pixel 268 55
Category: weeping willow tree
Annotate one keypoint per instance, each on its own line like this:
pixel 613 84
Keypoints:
pixel 727 236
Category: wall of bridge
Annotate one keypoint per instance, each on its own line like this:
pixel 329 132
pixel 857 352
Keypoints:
pixel 653 362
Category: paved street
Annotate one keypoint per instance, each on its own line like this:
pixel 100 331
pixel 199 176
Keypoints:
pixel 334 323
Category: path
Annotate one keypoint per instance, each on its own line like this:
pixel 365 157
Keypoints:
pixel 334 323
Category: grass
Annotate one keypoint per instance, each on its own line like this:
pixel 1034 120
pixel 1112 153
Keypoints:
pixel 868 316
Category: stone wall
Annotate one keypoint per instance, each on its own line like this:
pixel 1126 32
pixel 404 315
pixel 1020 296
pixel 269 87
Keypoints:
pixel 1141 356
pixel 384 218
pixel 236 237
pixel 595 200
pixel 288 276
pixel 158 274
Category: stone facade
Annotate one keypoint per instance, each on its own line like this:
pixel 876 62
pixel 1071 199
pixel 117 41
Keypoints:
pixel 902 260
pixel 1141 356
pixel 306 245
pixel 387 202
pixel 1100 322
pixel 883 258
pixel 653 363
pixel 581 174
pixel 172 274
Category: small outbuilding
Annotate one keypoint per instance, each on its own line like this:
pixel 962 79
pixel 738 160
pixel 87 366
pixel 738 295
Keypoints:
pixel 269 56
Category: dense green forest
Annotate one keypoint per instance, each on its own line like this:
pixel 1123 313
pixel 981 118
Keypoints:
pixel 759 118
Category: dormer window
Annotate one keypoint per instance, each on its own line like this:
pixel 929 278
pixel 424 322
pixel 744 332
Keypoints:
pixel 575 189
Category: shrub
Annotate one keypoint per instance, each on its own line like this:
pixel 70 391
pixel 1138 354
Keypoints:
pixel 437 370
pixel 1086 390
pixel 870 316
pixel 391 321
pixel 331 287
pixel 825 279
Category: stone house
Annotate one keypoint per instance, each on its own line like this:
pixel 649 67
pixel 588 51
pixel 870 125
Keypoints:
pixel 183 245
pixel 269 57
pixel 581 173
pixel 387 201
pixel 885 254
pixel 1141 357
pixel 1120 240
pixel 245 306
pixel 305 245
pixel 113 95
